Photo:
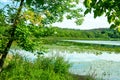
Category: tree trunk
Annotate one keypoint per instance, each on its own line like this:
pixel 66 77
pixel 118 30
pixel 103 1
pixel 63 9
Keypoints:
pixel 12 34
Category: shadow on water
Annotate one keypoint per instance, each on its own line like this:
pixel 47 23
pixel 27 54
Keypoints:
pixel 115 43
pixel 82 77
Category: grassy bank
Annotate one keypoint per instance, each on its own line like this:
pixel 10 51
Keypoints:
pixel 54 68
pixel 17 68
pixel 57 43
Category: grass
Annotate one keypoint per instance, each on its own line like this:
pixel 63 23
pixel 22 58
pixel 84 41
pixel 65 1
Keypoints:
pixel 40 69
pixel 81 47
pixel 54 68
pixel 49 68
pixel 92 47
pixel 57 43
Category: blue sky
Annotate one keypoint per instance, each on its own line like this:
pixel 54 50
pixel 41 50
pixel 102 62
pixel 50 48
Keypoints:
pixel 89 21
pixel 3 2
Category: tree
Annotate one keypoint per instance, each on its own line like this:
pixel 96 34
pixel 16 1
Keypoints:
pixel 111 9
pixel 39 13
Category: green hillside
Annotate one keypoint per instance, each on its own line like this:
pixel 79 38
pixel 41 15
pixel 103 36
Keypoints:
pixel 102 33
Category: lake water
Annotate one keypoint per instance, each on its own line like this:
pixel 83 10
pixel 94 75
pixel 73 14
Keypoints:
pixel 105 66
pixel 117 43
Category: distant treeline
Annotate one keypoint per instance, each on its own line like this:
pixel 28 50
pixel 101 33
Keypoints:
pixel 103 33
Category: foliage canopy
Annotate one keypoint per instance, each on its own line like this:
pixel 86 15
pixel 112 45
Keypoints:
pixel 36 14
pixel 26 17
pixel 43 12
pixel 111 9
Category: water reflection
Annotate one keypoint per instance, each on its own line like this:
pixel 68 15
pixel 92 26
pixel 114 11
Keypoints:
pixel 105 66
pixel 117 43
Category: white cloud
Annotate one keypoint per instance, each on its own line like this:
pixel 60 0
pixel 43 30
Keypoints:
pixel 89 22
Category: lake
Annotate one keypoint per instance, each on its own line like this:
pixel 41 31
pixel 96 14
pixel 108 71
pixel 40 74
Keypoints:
pixel 116 43
pixel 104 66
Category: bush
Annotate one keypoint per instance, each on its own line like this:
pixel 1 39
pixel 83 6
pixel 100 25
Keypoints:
pixel 19 68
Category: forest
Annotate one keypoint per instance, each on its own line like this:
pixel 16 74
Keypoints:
pixel 30 46
pixel 102 33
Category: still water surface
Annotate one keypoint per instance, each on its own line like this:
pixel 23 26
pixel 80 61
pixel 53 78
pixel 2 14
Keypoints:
pixel 117 43
pixel 105 66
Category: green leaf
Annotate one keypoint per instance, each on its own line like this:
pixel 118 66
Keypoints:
pixel 77 1
pixel 87 3
pixel 93 2
pixel 68 17
pixel 79 21
pixel 95 13
pixel 40 2
pixel 87 11
pixel 28 2
pixel 112 26
pixel 109 19
pixel 118 28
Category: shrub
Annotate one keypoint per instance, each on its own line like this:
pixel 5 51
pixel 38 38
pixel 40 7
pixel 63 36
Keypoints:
pixel 20 68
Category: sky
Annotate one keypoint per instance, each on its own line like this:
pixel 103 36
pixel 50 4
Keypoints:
pixel 89 21
pixel 4 0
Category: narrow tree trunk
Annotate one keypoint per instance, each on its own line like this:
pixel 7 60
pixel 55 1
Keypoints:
pixel 12 34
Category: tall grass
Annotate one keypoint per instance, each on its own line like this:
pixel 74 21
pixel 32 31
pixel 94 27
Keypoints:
pixel 20 68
